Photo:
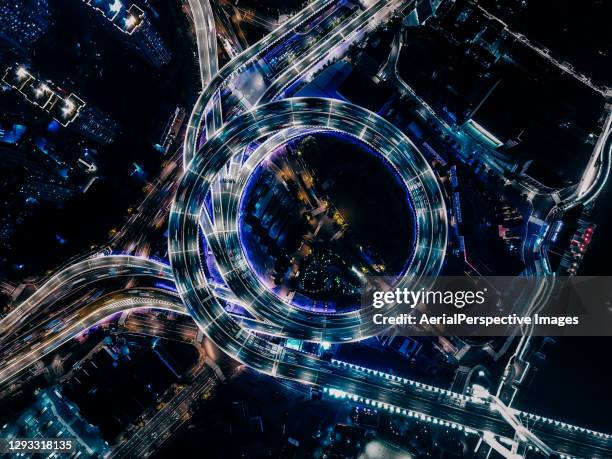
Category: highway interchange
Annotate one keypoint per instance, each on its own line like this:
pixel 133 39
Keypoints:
pixel 39 325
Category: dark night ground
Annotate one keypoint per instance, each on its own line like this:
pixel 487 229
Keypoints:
pixel 124 92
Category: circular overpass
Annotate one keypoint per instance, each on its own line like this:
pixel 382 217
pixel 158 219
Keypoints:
pixel 278 122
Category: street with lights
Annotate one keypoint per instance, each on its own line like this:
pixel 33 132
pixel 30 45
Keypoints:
pixel 178 270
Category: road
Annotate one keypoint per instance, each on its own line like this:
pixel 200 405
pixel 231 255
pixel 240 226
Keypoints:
pixel 276 360
pixel 419 400
pixel 167 420
pixel 30 348
pixel 203 165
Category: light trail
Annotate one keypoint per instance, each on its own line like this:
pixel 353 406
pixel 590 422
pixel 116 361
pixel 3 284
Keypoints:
pixel 204 300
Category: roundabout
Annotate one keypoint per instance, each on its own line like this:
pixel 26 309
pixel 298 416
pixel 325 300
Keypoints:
pixel 278 122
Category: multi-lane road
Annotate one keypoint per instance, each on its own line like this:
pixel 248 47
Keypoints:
pixel 386 391
pixel 35 329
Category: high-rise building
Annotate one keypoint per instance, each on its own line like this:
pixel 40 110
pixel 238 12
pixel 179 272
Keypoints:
pixel 52 415
pixel 23 22
pixel 35 181
pixel 67 109
pixel 128 20
pixel 172 129
pixel 135 28
pixel 64 108
pixel 95 125
pixel 46 188
pixel 150 43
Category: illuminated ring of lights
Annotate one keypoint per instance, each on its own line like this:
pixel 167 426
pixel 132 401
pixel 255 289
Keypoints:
pixel 189 208
pixel 234 191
